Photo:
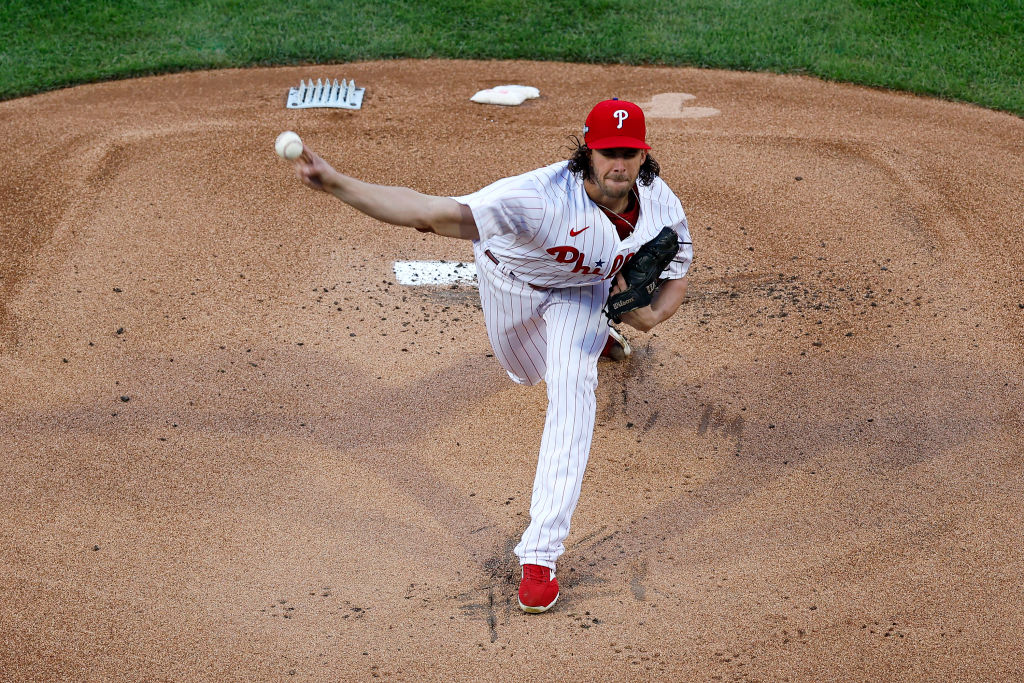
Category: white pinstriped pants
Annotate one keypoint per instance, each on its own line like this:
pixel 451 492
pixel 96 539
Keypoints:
pixel 556 335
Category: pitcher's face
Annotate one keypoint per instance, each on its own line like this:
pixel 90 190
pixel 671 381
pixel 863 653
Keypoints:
pixel 615 170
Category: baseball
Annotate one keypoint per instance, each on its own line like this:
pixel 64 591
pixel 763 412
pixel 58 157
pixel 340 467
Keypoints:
pixel 288 145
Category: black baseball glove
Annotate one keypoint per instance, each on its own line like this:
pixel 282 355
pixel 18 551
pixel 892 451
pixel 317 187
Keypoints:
pixel 641 274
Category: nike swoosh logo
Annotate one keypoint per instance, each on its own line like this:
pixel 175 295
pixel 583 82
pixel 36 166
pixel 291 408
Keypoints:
pixel 573 233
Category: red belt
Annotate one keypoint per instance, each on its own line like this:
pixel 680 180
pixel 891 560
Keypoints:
pixel 498 263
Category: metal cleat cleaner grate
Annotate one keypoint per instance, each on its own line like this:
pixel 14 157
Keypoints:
pixel 326 94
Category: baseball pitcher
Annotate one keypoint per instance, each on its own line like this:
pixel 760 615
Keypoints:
pixel 559 252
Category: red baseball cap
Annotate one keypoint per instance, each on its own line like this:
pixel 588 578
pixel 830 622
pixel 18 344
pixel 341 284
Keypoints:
pixel 615 123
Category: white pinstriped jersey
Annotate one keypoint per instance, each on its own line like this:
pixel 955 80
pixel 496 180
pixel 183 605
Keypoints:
pixel 543 227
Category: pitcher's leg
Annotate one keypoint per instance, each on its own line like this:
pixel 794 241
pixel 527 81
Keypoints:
pixel 514 328
pixel 576 335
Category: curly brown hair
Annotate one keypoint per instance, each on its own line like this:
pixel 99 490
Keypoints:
pixel 579 163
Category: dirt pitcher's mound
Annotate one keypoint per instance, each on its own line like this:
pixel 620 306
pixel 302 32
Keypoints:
pixel 235 448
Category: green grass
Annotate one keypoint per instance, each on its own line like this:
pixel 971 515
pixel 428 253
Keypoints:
pixel 968 50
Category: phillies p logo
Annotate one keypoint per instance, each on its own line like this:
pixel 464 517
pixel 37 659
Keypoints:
pixel 621 115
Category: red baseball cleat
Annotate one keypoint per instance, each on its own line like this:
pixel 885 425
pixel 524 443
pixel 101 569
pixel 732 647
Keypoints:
pixel 538 590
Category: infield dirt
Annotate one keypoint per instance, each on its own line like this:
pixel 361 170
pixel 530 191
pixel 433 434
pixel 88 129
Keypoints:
pixel 234 448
